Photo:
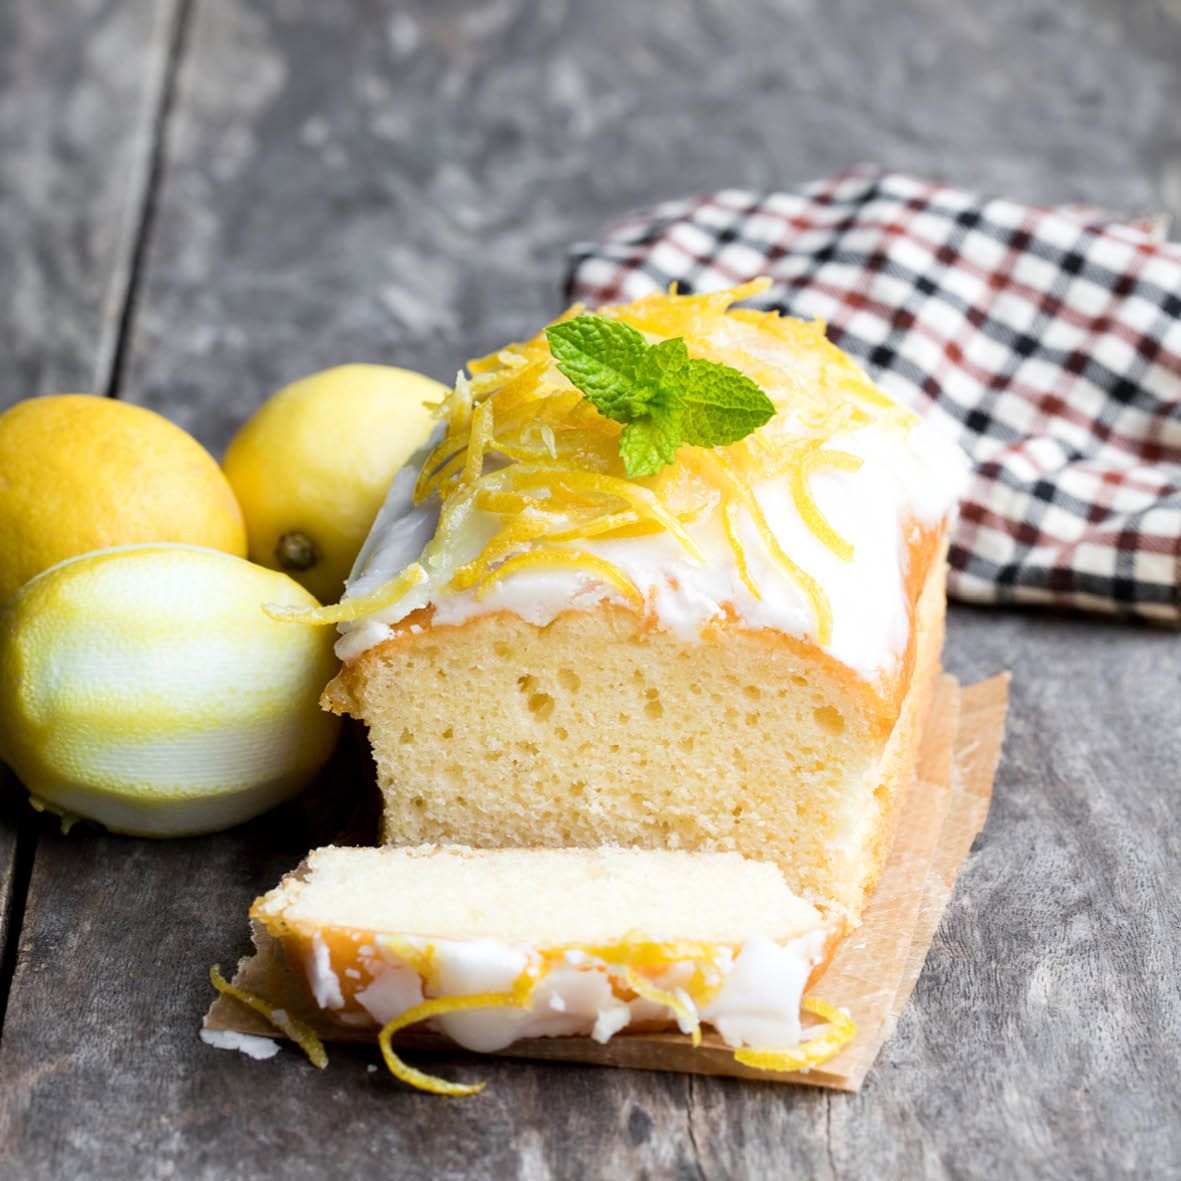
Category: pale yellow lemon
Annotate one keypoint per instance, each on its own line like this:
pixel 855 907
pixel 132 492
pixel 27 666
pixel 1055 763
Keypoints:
pixel 145 688
pixel 312 466
pixel 80 473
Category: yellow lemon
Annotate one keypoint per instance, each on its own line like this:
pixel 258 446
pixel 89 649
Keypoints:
pixel 145 688
pixel 80 473
pixel 312 466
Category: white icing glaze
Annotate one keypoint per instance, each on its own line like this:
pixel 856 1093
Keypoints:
pixel 906 474
pixel 325 982
pixel 758 1002
pixel 391 991
pixel 748 1009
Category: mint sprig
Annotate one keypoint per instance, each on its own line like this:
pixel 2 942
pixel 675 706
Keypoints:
pixel 663 397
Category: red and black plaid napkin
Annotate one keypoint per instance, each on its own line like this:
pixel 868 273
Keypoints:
pixel 1047 340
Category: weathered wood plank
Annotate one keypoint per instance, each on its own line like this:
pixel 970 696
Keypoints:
pixel 1042 1039
pixel 348 182
pixel 399 182
pixel 80 89
pixel 17 841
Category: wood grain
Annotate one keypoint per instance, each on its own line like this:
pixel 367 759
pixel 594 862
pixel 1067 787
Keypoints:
pixel 397 182
pixel 79 93
pixel 80 96
pixel 17 841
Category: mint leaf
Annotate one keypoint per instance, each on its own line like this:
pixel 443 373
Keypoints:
pixel 647 444
pixel 661 395
pixel 601 357
pixel 721 405
pixel 663 368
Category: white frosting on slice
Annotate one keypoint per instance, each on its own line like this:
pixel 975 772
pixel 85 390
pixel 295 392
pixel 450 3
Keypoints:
pixel 748 1009
pixel 391 991
pixel 758 1002
pixel 324 981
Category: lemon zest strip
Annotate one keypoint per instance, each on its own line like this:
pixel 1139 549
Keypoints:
pixel 353 608
pixel 634 952
pixel 702 988
pixel 543 431
pixel 302 1035
pixel 550 407
pixel 504 503
pixel 520 998
pixel 682 1008
pixel 639 529
pixel 728 521
pixel 845 461
pixel 564 559
pixel 596 526
pixel 868 392
pixel 801 471
pixel 812 589
pixel 520 387
pixel 528 526
pixel 642 499
pixel 505 358
pixel 838 1032
pixel 459 404
pixel 639 951
pixel 713 303
pixel 439 467
pixel 477 444
pixel 459 506
pixel 423 960
pixel 574 446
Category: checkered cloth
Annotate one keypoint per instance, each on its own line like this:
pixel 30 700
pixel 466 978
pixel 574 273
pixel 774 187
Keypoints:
pixel 1047 340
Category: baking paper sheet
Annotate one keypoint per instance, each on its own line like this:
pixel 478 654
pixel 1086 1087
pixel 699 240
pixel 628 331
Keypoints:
pixel 873 971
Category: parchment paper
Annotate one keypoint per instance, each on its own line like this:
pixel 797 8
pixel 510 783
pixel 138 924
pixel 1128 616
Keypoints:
pixel 873 971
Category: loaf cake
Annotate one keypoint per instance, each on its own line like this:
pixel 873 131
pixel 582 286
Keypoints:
pixel 491 946
pixel 734 653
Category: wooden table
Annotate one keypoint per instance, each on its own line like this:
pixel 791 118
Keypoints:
pixel 203 199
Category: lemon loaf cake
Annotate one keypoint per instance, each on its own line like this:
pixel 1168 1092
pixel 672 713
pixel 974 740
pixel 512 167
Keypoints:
pixel 492 946
pixel 621 601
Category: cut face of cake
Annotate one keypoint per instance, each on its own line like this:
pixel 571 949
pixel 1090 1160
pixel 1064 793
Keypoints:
pixel 734 653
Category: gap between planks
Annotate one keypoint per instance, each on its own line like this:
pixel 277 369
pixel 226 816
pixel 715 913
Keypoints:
pixel 140 215
pixel 14 883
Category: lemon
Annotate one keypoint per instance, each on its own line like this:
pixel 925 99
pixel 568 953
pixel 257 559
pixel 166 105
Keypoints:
pixel 145 688
pixel 80 473
pixel 312 466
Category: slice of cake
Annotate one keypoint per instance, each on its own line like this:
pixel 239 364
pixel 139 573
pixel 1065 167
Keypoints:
pixel 492 946
pixel 731 651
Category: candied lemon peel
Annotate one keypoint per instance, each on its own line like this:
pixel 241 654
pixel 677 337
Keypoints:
pixel 521 443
